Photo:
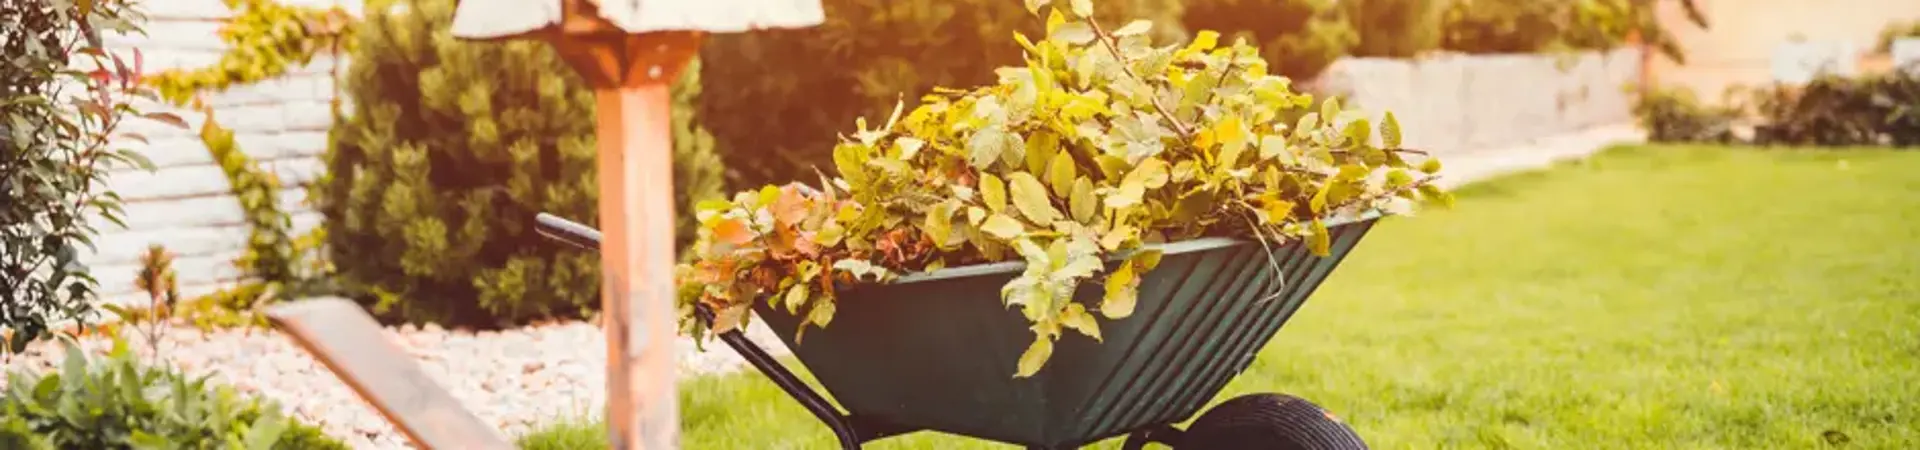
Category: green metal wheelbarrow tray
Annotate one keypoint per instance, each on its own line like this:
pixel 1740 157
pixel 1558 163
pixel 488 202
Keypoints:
pixel 935 351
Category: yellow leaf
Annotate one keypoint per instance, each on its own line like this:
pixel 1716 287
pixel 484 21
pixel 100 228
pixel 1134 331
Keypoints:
pixel 1077 318
pixel 1061 173
pixel 1122 292
pixel 1319 241
pixel 1035 357
pixel 1233 140
pixel 1152 172
pixel 1082 201
pixel 994 191
pixel 1129 194
pixel 1030 197
pixel 1003 227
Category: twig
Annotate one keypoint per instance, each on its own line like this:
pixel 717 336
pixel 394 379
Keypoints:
pixel 1104 38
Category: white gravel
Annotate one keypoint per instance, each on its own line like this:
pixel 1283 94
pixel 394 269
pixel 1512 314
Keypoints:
pixel 517 380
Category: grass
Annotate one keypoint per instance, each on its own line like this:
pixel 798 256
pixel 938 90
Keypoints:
pixel 1651 297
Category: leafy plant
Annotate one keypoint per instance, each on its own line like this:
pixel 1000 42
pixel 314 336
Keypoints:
pixel 1298 38
pixel 118 403
pixel 449 151
pixel 1676 115
pixel 1832 110
pixel 63 101
pixel 1097 147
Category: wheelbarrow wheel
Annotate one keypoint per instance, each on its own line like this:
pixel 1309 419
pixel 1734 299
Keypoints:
pixel 1269 422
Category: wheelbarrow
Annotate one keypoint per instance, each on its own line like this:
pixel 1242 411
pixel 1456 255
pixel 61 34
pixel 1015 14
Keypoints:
pixel 934 351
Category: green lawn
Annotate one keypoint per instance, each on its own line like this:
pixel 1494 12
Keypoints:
pixel 1652 297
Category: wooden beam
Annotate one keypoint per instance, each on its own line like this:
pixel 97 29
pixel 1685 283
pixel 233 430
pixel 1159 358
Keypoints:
pixel 351 344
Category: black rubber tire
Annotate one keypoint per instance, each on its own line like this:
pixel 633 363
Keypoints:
pixel 1269 422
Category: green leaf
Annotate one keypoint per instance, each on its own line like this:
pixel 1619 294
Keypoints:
pixel 1390 131
pixel 1081 201
pixel 1307 124
pixel 1061 173
pixel 1359 132
pixel 1033 6
pixel 1122 291
pixel 1330 108
pixel 1430 166
pixel 993 191
pixel 1138 26
pixel 1077 318
pixel 265 432
pixel 1076 33
pixel 796 296
pixel 1130 193
pixel 986 146
pixel 1035 357
pixel 1031 198
pixel 822 314
pixel 1003 227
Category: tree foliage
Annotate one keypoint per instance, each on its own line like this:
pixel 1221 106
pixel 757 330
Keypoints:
pixel 774 98
pixel 63 102
pixel 1098 146
pixel 449 151
pixel 1298 38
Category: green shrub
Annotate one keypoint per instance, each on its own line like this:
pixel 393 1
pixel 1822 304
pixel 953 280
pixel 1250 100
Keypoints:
pixel 1503 26
pixel 1877 109
pixel 1096 147
pixel 1677 115
pixel 61 123
pixel 1394 28
pixel 1298 38
pixel 119 403
pixel 775 99
pixel 451 148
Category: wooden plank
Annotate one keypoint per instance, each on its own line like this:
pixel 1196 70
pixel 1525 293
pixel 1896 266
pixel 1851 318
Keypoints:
pixel 348 341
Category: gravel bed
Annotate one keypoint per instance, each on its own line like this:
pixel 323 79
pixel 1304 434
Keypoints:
pixel 517 380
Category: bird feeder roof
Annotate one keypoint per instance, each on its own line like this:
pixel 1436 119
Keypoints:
pixel 496 19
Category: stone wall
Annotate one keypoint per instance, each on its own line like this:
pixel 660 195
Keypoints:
pixel 185 204
pixel 1457 104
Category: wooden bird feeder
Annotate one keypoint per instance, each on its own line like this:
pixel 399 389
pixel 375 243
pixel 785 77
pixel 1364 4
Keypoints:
pixel 630 51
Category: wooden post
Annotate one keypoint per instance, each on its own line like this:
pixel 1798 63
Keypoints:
pixel 631 76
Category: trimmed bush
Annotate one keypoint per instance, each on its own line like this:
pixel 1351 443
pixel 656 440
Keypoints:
pixel 1876 109
pixel 1677 115
pixel 775 99
pixel 449 151
pixel 119 403
pixel 1298 38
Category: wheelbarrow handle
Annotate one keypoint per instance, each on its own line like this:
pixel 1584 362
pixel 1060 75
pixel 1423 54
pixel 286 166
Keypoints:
pixel 566 231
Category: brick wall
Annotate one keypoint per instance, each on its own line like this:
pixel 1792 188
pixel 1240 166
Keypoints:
pixel 1458 104
pixel 185 204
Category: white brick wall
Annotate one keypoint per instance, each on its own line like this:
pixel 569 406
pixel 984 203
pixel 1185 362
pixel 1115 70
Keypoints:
pixel 1457 104
pixel 186 203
